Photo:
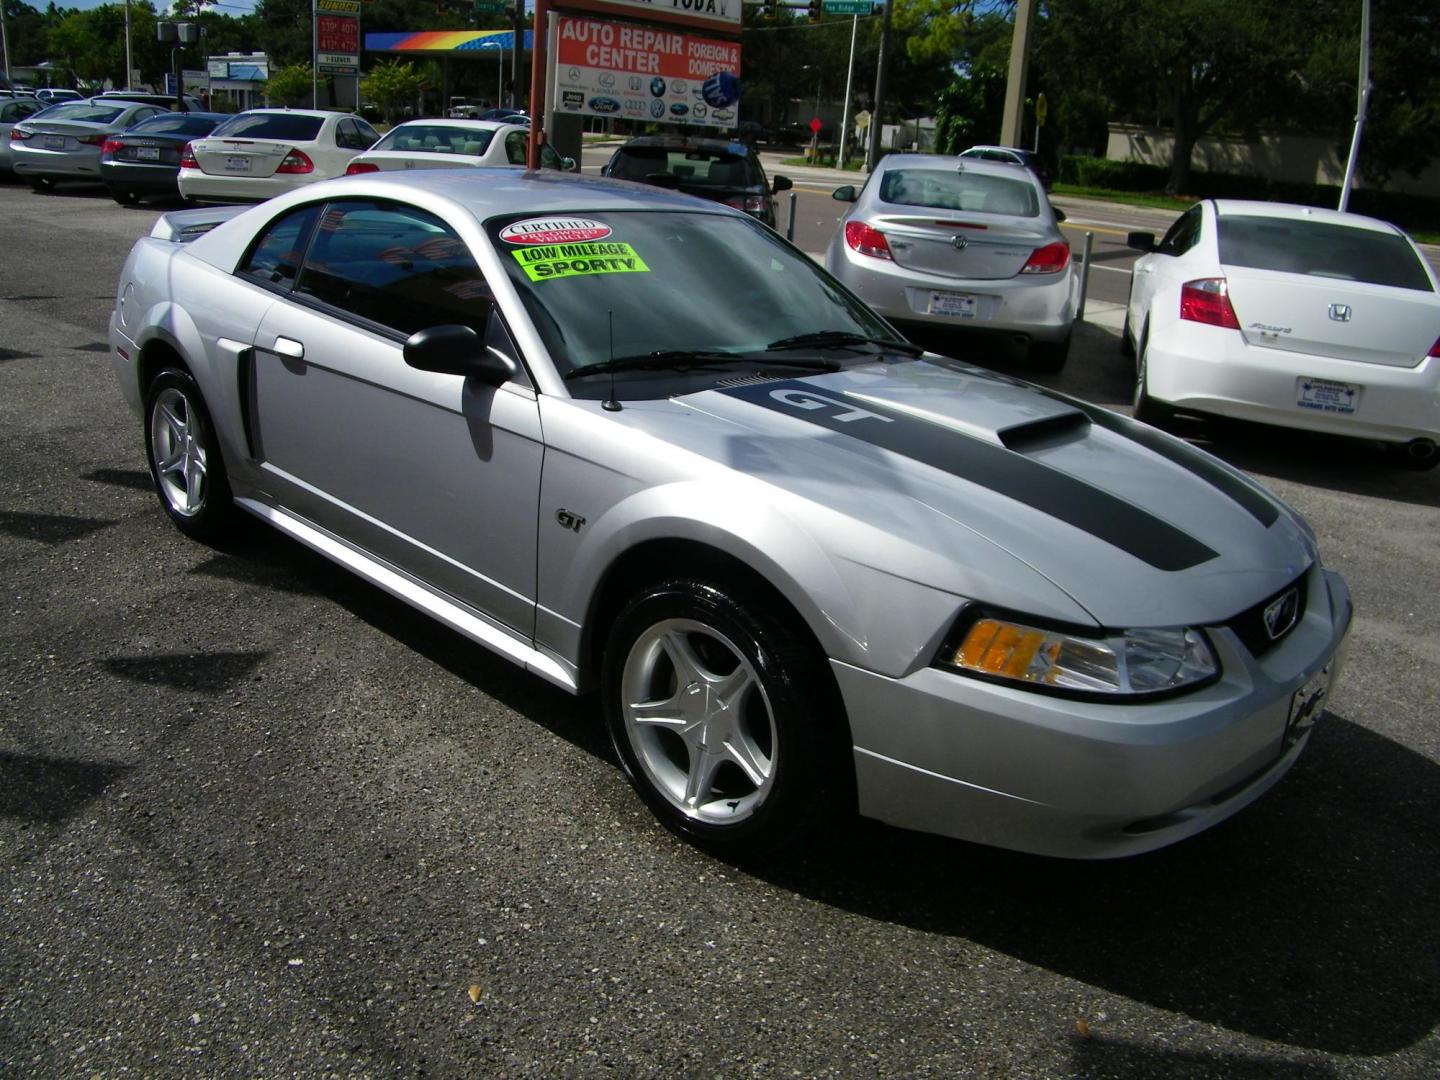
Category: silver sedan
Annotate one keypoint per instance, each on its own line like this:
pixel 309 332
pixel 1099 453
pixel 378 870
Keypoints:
pixel 637 443
pixel 960 243
pixel 64 141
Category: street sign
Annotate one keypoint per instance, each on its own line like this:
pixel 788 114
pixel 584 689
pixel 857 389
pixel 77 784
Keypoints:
pixel 489 7
pixel 848 7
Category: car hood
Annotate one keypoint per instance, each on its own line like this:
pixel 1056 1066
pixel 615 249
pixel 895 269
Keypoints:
pixel 934 457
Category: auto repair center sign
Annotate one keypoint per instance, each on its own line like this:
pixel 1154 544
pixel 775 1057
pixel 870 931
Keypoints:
pixel 337 37
pixel 648 73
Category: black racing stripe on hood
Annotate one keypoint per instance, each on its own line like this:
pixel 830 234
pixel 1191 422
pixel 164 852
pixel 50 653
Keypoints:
pixel 1256 503
pixel 1086 507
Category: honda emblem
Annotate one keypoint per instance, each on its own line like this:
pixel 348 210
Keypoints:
pixel 1340 312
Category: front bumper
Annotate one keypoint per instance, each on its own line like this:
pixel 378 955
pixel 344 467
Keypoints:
pixel 941 753
pixel 1211 369
pixel 1041 307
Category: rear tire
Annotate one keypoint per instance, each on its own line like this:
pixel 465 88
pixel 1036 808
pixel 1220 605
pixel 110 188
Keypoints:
pixel 1050 356
pixel 1147 409
pixel 724 718
pixel 184 457
pixel 124 196
pixel 42 185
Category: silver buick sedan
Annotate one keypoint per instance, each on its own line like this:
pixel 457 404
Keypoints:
pixel 638 444
pixel 963 244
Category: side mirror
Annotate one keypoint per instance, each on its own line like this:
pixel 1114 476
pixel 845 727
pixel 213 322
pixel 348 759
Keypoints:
pixel 1140 241
pixel 569 164
pixel 781 183
pixel 844 194
pixel 457 350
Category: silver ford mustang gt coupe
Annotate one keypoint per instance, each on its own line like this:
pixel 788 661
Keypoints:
pixel 639 444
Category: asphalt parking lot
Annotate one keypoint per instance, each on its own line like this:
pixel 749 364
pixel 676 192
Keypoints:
pixel 259 819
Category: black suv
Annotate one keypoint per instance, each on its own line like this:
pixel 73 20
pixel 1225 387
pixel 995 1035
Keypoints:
pixel 717 169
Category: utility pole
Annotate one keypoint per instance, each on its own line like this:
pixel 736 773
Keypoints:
pixel 849 78
pixel 5 40
pixel 872 156
pixel 1361 107
pixel 1013 119
pixel 129 59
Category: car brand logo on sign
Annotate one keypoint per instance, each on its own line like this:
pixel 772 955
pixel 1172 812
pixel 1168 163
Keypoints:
pixel 657 109
pixel 1280 614
pixel 679 109
pixel 572 99
pixel 657 86
pixel 554 231
pixel 604 105
pixel 1340 312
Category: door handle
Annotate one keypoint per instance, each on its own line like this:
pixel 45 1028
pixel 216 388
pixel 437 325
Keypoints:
pixel 285 346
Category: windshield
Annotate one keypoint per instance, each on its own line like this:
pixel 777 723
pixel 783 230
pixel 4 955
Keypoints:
pixel 1320 249
pixel 688 166
pixel 287 127
pixel 437 139
pixel 603 285
pixel 81 110
pixel 954 189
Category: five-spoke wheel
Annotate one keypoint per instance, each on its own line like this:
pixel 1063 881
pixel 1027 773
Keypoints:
pixel 185 461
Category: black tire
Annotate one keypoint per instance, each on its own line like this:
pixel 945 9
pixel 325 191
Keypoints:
pixel 784 720
pixel 42 185
pixel 1127 344
pixel 184 458
pixel 1049 356
pixel 1147 409
pixel 1401 456
pixel 124 196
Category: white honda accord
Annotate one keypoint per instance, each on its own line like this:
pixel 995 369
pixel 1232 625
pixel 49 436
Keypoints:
pixel 1289 315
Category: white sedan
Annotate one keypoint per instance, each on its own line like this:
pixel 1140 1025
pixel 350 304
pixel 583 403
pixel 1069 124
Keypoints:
pixel 450 144
pixel 265 152
pixel 1289 315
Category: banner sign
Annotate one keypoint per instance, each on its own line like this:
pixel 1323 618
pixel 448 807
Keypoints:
pixel 645 73
pixel 337 37
pixel 723 15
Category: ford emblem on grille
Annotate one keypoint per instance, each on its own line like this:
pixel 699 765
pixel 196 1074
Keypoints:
pixel 1280 613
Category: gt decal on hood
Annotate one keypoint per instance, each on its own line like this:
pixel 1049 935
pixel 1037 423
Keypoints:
pixel 1062 496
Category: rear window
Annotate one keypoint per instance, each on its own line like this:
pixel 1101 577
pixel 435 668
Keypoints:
pixel 437 139
pixel 693 168
pixel 945 189
pixel 175 124
pixel 285 127
pixel 1321 249
pixel 81 110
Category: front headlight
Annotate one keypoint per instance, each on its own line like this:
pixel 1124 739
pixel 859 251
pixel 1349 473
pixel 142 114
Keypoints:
pixel 1124 662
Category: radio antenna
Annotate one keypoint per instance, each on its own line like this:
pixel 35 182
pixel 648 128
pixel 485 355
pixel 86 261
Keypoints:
pixel 610 404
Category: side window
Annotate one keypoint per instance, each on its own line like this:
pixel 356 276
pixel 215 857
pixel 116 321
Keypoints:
pixel 1183 235
pixel 276 256
pixel 396 266
pixel 368 136
pixel 345 134
pixel 515 147
pixel 549 159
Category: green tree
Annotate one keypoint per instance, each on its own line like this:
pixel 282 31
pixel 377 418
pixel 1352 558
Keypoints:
pixel 26 32
pixel 292 85
pixel 390 84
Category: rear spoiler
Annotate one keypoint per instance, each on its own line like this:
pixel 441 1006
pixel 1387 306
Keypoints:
pixel 185 225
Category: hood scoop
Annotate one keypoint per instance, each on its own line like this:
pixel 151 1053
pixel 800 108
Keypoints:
pixel 1045 433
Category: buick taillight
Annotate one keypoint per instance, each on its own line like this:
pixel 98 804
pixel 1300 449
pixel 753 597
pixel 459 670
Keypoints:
pixel 110 146
pixel 296 162
pixel 355 168
pixel 1207 300
pixel 1050 259
pixel 867 240
pixel 187 157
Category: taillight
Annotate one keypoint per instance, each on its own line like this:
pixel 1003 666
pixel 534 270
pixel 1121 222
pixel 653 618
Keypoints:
pixel 867 240
pixel 296 162
pixel 109 146
pixel 91 140
pixel 1207 300
pixel 355 168
pixel 1434 349
pixel 751 204
pixel 16 135
pixel 1050 259
pixel 187 157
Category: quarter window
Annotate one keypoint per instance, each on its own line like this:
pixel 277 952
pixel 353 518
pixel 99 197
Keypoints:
pixel 1183 235
pixel 515 147
pixel 276 256
pixel 395 266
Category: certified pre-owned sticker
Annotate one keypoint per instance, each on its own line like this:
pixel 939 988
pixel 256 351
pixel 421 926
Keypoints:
pixel 554 231
pixel 550 261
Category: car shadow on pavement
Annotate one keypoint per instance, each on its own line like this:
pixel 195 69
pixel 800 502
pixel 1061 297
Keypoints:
pixel 1309 919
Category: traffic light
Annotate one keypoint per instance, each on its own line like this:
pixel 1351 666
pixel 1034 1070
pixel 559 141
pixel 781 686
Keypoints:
pixel 816 10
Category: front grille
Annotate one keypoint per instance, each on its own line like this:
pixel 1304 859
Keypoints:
pixel 1250 627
